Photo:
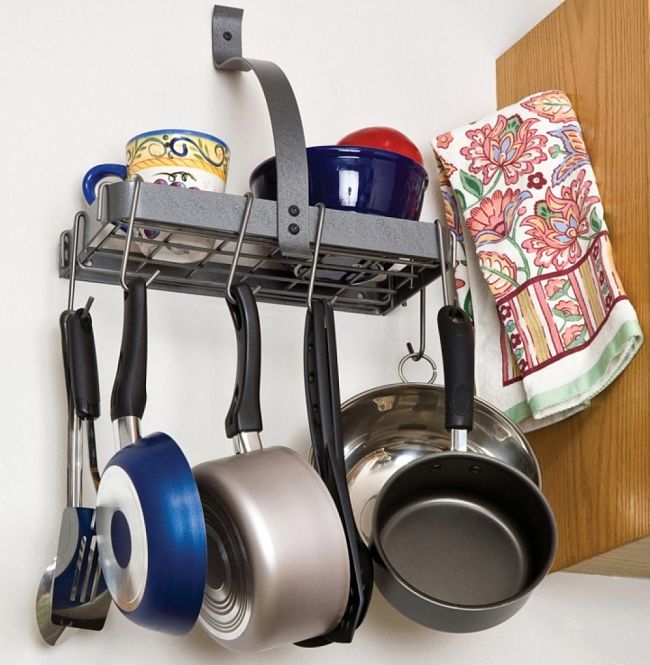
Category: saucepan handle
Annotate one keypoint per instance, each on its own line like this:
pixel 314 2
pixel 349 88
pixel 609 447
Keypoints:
pixel 129 395
pixel 457 345
pixel 244 414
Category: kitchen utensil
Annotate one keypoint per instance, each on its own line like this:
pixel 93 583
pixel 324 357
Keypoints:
pixel 278 569
pixel 383 138
pixel 151 532
pixel 177 158
pixel 79 596
pixel 323 409
pixel 50 631
pixel 485 526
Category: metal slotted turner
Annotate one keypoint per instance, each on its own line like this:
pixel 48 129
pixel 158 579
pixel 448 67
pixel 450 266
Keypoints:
pixel 79 596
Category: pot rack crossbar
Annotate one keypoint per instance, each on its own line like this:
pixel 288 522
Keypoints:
pixel 367 264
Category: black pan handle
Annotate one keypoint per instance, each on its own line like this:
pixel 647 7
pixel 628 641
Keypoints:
pixel 129 395
pixel 84 380
pixel 245 414
pixel 324 415
pixel 457 345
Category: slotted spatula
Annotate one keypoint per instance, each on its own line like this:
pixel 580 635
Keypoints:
pixel 79 596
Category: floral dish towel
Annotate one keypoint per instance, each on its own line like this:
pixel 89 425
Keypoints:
pixel 521 184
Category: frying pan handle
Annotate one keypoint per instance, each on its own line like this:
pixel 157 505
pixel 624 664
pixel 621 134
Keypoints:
pixel 244 414
pixel 324 415
pixel 84 381
pixel 457 345
pixel 129 395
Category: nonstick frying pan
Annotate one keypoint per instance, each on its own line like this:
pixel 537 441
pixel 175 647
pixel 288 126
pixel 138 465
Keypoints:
pixel 150 526
pixel 460 539
pixel 278 569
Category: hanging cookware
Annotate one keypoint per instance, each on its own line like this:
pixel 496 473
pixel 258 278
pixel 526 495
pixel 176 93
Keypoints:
pixel 150 527
pixel 150 523
pixel 278 568
pixel 460 539
pixel 389 426
pixel 79 596
pixel 324 413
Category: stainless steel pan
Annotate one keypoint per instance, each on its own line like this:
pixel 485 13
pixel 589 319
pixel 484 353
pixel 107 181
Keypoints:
pixel 387 427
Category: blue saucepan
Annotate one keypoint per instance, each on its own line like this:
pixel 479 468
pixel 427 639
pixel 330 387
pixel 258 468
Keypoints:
pixel 150 527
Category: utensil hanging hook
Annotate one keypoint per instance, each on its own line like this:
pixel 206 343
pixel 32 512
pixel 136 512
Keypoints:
pixel 420 355
pixel 240 242
pixel 314 263
pixel 137 180
pixel 73 256
pixel 423 329
pixel 74 249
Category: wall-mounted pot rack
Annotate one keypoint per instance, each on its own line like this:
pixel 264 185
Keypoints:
pixel 367 264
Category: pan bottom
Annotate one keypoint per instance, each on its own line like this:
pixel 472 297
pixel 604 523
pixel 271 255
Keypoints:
pixel 456 549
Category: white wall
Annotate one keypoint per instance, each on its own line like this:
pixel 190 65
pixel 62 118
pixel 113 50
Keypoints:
pixel 77 78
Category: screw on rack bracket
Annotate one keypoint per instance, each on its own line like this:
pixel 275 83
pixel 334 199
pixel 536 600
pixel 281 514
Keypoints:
pixel 294 210
pixel 294 229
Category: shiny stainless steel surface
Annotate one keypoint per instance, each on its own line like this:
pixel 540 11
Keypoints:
pixel 246 442
pixel 126 430
pixel 278 569
pixel 390 426
pixel 50 632
pixel 125 584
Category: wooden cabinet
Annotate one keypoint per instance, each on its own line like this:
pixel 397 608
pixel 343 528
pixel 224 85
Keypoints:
pixel 596 465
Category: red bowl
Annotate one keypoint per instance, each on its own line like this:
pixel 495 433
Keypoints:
pixel 383 138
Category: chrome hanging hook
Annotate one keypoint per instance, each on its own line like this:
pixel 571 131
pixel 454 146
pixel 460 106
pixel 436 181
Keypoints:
pixel 74 249
pixel 420 355
pixel 101 194
pixel 129 236
pixel 314 263
pixel 240 242
pixel 423 328
pixel 73 256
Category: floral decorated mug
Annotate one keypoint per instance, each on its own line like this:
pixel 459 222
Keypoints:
pixel 176 158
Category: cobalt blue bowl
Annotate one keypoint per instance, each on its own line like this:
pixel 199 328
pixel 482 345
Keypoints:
pixel 364 180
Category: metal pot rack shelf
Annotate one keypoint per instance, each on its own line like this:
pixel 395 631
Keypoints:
pixel 367 264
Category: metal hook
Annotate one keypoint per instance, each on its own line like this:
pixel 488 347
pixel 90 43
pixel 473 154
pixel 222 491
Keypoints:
pixel 423 329
pixel 446 248
pixel 100 199
pixel 129 237
pixel 240 242
pixel 314 263
pixel 73 256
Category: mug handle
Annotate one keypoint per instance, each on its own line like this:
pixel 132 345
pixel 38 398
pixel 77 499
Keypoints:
pixel 95 175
